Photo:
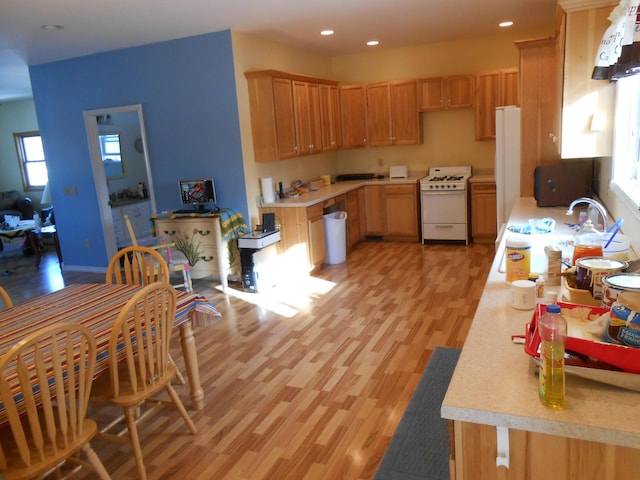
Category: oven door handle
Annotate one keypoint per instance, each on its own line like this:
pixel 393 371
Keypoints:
pixel 442 192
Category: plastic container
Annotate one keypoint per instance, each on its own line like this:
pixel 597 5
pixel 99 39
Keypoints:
pixel 517 258
pixel 588 242
pixel 553 335
pixel 335 237
pixel 619 246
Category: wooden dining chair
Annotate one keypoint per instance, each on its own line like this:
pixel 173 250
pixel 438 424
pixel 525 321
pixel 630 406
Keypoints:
pixel 137 266
pixel 6 299
pixel 141 334
pixel 173 257
pixel 142 266
pixel 45 382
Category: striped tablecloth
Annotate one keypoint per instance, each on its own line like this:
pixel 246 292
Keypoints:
pixel 95 306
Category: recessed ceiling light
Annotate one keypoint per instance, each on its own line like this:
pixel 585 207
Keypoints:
pixel 327 32
pixel 373 43
pixel 505 24
pixel 52 27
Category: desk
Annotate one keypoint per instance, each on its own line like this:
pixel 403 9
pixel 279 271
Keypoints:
pixel 34 235
pixel 97 306
pixel 21 230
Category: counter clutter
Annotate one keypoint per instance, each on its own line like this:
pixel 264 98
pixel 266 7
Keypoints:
pixel 493 396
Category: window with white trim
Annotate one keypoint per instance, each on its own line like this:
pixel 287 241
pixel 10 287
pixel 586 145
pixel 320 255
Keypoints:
pixel 32 162
pixel 626 141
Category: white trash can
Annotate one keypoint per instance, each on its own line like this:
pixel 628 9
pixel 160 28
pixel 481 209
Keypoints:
pixel 335 237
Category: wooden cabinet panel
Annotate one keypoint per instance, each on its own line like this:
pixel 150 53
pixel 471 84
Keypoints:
pixel 315 225
pixel 284 118
pixel 540 105
pixel 494 88
pixel 537 456
pixel 484 228
pixel 330 117
pixel 306 97
pixel 442 93
pixel 355 217
pixel 401 211
pixel 353 116
pixel 392 114
pixel 374 209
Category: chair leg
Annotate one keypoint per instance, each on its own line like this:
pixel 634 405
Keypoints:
pixel 95 462
pixel 178 373
pixel 178 403
pixel 135 441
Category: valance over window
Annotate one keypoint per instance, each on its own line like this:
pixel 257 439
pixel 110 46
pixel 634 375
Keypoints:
pixel 619 51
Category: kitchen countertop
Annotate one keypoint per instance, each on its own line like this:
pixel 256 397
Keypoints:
pixel 494 383
pixel 335 189
pixel 482 178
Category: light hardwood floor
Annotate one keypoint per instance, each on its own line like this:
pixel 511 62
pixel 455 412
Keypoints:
pixel 310 381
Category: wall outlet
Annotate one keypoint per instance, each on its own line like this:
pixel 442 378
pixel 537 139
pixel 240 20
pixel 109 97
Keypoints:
pixel 70 191
pixel 380 162
pixel 87 243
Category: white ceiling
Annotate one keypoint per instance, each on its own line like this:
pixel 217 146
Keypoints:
pixel 92 26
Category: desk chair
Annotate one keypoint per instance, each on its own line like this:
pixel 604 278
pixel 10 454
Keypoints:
pixel 47 426
pixel 141 333
pixel 6 299
pixel 174 258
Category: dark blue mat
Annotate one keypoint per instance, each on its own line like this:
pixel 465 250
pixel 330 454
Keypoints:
pixel 419 450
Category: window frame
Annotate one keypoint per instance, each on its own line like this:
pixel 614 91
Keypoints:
pixel 27 183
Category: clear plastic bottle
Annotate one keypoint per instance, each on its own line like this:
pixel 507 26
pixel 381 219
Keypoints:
pixel 588 242
pixel 553 334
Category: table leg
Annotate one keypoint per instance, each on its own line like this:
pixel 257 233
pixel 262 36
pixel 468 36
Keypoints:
pixel 32 238
pixel 188 343
pixel 57 244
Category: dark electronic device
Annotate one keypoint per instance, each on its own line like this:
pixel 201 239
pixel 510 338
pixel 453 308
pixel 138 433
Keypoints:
pixel 200 192
pixel 268 222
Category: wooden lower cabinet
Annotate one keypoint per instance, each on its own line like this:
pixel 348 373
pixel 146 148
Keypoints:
pixel 391 211
pixel 301 235
pixel 536 456
pixel 484 223
pixel 355 217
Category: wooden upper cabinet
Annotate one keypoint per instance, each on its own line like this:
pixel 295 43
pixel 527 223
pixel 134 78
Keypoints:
pixel 392 114
pixel 330 117
pixel 495 88
pixel 306 100
pixel 442 93
pixel 353 116
pixel 286 118
pixel 285 125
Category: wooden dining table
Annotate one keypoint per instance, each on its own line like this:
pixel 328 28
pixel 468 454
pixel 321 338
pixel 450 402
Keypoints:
pixel 96 306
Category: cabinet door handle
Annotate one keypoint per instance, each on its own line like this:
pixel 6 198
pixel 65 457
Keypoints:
pixel 206 259
pixel 169 232
pixel 203 232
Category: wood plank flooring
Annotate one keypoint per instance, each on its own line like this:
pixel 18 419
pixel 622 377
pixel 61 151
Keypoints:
pixel 310 381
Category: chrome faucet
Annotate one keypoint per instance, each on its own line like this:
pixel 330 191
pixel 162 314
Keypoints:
pixel 597 205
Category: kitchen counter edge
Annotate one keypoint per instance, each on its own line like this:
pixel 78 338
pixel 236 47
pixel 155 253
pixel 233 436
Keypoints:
pixel 339 188
pixel 494 382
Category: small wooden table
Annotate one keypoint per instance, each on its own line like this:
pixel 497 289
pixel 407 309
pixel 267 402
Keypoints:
pixel 33 237
pixel 21 230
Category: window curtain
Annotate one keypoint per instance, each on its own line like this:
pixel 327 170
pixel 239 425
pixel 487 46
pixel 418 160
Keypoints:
pixel 619 51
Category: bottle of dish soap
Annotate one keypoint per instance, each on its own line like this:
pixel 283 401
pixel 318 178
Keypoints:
pixel 587 241
pixel 553 334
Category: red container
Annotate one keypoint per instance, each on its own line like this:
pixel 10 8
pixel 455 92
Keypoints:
pixel 625 358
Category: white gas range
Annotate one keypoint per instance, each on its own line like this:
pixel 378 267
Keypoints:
pixel 444 196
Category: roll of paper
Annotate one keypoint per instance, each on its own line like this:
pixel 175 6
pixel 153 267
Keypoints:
pixel 268 192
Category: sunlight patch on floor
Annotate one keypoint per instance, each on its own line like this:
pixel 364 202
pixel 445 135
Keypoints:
pixel 286 299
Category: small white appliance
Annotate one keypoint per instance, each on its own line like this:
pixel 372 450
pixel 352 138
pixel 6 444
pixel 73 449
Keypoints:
pixel 507 167
pixel 398 171
pixel 444 203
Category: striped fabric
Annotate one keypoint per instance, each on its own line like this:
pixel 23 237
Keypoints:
pixel 95 306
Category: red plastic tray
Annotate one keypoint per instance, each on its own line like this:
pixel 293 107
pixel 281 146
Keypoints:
pixel 625 358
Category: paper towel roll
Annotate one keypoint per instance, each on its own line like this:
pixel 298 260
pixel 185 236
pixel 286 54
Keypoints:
pixel 268 192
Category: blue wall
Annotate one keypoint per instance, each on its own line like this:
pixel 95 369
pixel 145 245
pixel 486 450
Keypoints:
pixel 188 95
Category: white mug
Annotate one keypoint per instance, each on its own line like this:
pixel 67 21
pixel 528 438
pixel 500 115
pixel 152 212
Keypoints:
pixel 523 294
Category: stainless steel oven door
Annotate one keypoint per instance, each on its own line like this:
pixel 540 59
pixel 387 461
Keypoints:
pixel 444 206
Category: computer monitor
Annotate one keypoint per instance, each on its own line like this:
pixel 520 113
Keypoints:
pixel 200 192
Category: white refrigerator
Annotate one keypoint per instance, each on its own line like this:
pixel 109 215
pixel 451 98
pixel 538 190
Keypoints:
pixel 507 168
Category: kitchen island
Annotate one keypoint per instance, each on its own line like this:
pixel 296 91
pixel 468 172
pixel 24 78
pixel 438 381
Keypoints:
pixel 500 427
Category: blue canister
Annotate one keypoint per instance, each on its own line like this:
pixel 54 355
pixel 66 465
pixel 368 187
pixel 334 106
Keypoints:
pixel 624 320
